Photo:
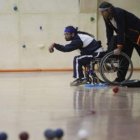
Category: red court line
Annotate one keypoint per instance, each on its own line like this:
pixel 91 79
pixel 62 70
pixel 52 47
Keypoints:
pixel 44 70
pixel 37 70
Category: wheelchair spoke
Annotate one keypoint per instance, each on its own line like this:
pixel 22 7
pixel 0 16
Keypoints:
pixel 112 65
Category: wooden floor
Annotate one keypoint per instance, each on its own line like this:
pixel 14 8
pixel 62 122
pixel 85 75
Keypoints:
pixel 34 102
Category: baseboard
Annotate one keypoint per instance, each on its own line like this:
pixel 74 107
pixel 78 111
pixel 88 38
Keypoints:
pixel 37 70
pixel 44 70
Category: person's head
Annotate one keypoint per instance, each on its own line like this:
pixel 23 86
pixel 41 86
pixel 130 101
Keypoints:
pixel 70 32
pixel 106 10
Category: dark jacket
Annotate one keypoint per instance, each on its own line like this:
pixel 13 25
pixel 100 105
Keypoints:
pixel 83 42
pixel 128 25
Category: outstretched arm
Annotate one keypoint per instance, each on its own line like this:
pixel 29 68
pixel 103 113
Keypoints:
pixel 74 45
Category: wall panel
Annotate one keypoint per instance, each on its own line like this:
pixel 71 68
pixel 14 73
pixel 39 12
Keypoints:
pixel 9 56
pixel 49 6
pixel 52 31
pixel 27 32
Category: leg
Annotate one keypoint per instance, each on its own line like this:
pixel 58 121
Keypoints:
pixel 128 49
pixel 78 63
pixel 137 47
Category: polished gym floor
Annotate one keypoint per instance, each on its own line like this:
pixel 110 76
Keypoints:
pixel 34 102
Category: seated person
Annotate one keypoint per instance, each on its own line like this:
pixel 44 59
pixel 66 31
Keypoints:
pixel 87 45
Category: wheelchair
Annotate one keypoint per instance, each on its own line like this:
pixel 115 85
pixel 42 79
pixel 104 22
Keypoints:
pixel 107 68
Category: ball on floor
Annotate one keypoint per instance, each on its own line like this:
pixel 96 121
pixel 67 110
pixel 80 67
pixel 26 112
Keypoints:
pixel 59 133
pixel 83 134
pixel 3 136
pixel 24 136
pixel 116 89
pixel 49 134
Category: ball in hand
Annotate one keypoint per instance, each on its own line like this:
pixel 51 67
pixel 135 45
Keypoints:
pixel 51 50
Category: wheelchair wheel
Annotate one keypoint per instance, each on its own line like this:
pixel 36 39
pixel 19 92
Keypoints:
pixel 111 65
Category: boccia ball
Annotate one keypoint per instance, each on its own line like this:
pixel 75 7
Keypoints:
pixel 115 89
pixel 83 134
pixel 3 136
pixel 59 133
pixel 49 134
pixel 24 136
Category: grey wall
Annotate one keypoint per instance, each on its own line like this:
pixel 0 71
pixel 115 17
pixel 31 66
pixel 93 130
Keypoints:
pixel 22 27
pixel 24 45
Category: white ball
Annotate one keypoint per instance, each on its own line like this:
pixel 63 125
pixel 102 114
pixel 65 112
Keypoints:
pixel 41 46
pixel 83 134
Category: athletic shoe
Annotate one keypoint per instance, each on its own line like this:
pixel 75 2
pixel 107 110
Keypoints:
pixel 78 82
pixel 119 80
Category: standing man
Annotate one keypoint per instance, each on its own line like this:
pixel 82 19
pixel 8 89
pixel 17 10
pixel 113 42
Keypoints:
pixel 126 26
pixel 87 46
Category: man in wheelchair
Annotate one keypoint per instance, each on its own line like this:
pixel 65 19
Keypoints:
pixel 88 47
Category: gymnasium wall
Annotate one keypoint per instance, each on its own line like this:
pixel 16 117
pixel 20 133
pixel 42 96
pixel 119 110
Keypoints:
pixel 28 27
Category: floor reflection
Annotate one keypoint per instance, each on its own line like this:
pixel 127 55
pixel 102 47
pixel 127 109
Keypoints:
pixel 113 115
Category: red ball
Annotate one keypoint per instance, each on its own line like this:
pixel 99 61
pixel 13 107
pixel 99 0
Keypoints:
pixel 93 112
pixel 115 89
pixel 23 136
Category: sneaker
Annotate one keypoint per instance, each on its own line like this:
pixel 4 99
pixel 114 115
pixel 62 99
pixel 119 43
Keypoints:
pixel 119 80
pixel 84 81
pixel 78 82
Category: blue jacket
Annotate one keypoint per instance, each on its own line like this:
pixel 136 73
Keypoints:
pixel 83 42
pixel 128 25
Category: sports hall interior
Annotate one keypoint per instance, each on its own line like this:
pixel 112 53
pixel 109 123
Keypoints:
pixel 35 85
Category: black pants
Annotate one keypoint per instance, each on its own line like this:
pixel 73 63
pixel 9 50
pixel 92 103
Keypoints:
pixel 137 47
pixel 128 49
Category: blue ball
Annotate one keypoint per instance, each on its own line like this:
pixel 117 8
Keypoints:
pixel 59 133
pixel 3 136
pixel 49 134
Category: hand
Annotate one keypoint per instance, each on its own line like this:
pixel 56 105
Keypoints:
pixel 117 51
pixel 51 48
